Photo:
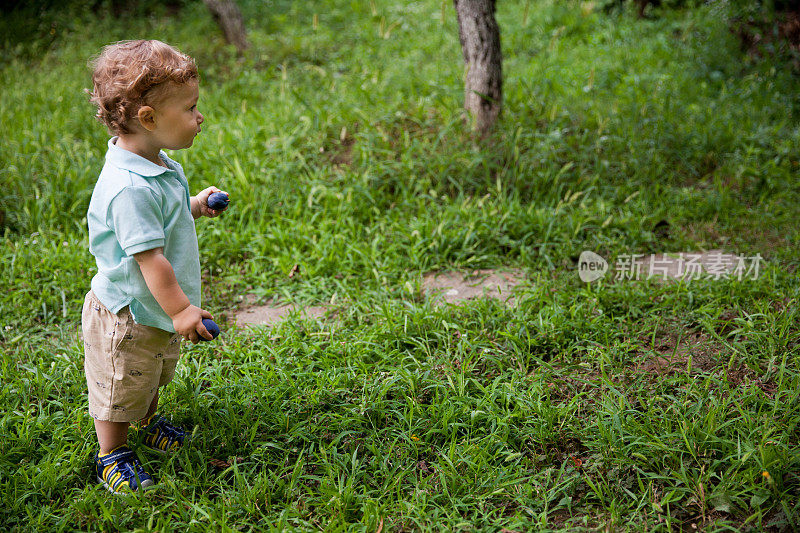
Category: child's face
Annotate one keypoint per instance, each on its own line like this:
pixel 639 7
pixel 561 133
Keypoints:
pixel 177 119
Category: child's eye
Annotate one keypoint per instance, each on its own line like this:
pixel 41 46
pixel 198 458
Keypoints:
pixel 193 107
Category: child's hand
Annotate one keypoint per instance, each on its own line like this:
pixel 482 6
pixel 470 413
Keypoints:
pixel 202 203
pixel 189 323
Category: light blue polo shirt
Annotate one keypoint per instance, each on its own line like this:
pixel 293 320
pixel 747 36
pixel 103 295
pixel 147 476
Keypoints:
pixel 137 206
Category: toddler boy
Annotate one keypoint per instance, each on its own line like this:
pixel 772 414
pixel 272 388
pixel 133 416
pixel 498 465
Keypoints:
pixel 145 297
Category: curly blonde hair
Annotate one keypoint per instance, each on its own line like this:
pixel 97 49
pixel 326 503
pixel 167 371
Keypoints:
pixel 130 74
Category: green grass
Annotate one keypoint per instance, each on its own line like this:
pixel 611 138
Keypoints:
pixel 344 152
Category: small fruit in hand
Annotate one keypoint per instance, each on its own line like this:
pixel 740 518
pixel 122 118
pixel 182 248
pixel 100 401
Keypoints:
pixel 218 201
pixel 212 328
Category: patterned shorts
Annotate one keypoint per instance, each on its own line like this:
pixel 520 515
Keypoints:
pixel 125 362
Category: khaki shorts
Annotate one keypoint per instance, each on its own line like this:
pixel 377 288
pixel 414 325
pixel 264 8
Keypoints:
pixel 125 362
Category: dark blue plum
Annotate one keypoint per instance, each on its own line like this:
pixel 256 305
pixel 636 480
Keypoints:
pixel 212 328
pixel 218 201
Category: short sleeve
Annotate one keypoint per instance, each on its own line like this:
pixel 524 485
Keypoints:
pixel 137 221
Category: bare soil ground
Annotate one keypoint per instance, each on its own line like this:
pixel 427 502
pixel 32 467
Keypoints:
pixel 455 287
pixel 442 287
pixel 269 315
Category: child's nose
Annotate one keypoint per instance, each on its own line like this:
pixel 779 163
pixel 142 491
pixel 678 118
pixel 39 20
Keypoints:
pixel 200 118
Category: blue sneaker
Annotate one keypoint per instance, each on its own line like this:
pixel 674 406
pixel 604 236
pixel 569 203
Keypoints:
pixel 161 436
pixel 120 471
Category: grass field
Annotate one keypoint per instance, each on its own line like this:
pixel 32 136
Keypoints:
pixel 343 147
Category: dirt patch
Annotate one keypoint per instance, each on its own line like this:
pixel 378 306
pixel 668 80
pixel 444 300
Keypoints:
pixel 339 153
pixel 269 315
pixel 680 350
pixel 706 233
pixel 455 287
pixel 442 288
pixel 676 346
pixel 768 240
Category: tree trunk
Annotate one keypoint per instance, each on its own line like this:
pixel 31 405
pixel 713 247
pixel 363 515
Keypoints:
pixel 480 43
pixel 641 5
pixel 229 18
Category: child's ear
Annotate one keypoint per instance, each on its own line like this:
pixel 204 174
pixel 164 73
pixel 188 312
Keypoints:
pixel 147 117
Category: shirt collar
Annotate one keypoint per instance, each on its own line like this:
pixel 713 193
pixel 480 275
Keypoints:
pixel 137 164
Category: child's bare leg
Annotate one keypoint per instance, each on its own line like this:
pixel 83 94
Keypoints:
pixel 153 406
pixel 111 435
pixel 161 435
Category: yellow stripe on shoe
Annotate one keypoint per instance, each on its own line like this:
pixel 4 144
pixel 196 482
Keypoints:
pixel 120 471
pixel 163 437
